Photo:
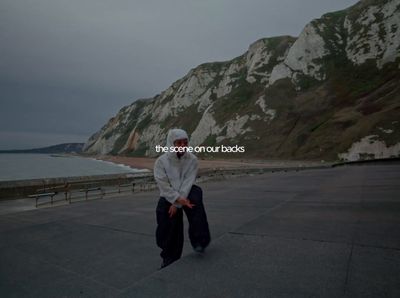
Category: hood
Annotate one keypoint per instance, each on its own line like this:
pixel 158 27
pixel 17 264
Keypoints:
pixel 176 134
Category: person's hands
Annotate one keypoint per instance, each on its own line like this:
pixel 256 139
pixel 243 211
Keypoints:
pixel 185 202
pixel 172 211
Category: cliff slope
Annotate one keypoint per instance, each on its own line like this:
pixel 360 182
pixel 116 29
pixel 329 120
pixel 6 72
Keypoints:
pixel 331 93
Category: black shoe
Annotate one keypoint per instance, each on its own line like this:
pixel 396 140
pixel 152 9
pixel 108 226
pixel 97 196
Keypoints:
pixel 165 263
pixel 199 249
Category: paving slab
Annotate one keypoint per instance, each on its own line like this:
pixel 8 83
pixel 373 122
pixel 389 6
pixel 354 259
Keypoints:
pixel 313 233
pixel 27 275
pixel 374 272
pixel 253 266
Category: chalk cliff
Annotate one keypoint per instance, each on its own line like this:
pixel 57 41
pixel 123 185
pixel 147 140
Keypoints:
pixel 331 93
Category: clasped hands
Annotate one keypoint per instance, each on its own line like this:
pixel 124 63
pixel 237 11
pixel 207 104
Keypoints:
pixel 183 201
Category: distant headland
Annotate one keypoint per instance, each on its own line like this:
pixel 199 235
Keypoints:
pixel 60 148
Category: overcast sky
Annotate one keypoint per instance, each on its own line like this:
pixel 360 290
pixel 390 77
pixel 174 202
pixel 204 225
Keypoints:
pixel 68 66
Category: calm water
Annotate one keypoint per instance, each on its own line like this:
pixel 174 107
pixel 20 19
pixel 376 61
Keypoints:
pixel 32 166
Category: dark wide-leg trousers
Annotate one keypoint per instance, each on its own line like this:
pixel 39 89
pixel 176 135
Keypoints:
pixel 169 233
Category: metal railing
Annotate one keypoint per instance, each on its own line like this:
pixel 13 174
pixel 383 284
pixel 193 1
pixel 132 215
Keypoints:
pixel 86 189
pixel 90 189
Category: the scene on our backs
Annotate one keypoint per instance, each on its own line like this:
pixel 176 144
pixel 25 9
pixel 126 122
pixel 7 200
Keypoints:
pixel 200 148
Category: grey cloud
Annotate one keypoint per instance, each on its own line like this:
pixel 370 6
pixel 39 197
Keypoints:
pixel 68 66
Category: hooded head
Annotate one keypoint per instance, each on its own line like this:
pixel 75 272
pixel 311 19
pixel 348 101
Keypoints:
pixel 175 134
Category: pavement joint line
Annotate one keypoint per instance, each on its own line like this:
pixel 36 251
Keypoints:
pixel 157 271
pixel 316 240
pixel 269 210
pixel 117 230
pixel 355 232
pixel 42 260
pixel 348 269
pixel 33 225
pixel 217 239
pixel 11 217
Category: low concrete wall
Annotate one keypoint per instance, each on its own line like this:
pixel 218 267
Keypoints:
pixel 23 188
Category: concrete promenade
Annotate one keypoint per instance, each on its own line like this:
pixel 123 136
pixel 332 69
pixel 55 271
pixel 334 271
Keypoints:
pixel 315 233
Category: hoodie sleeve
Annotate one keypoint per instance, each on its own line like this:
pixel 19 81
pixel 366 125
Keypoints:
pixel 189 178
pixel 161 178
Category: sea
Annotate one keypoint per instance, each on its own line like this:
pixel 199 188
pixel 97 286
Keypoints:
pixel 33 166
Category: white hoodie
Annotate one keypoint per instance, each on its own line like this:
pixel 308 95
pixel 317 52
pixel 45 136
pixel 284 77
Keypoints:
pixel 175 176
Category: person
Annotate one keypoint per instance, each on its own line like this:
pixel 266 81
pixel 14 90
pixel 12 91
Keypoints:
pixel 175 174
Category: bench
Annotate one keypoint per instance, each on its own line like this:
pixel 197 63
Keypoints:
pixel 131 184
pixel 43 195
pixel 89 189
pixel 60 188
pixel 145 183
